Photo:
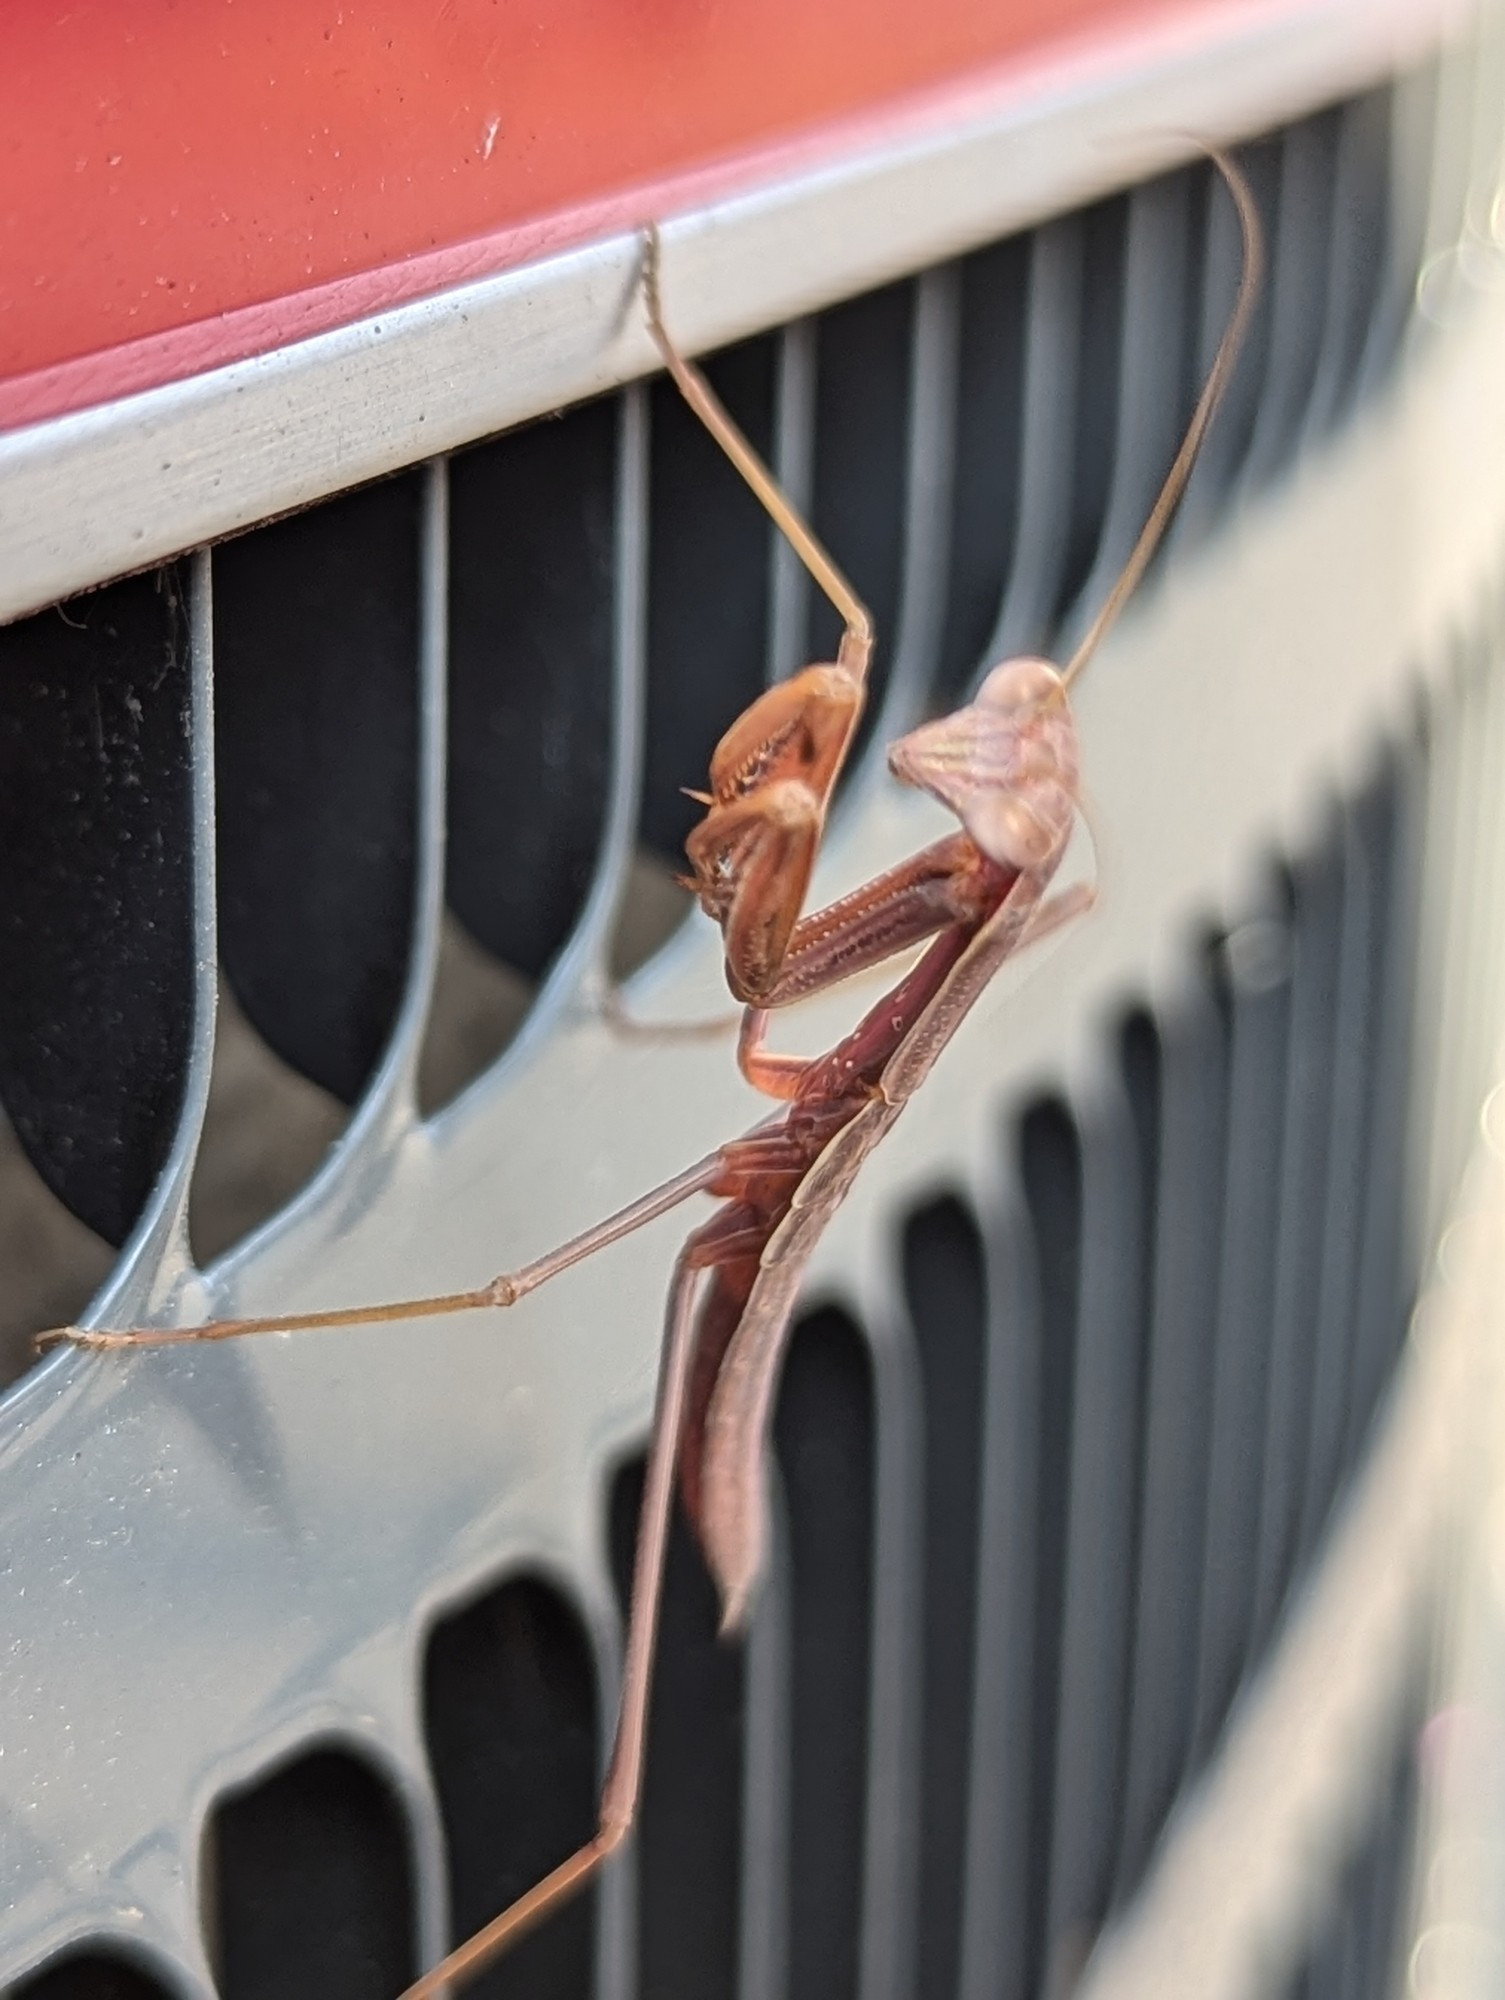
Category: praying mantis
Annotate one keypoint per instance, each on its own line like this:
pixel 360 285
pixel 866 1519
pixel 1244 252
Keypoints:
pixel 1006 765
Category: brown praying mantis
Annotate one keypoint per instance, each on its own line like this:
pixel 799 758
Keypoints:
pixel 1006 765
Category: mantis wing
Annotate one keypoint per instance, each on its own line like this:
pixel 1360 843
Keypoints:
pixel 733 1524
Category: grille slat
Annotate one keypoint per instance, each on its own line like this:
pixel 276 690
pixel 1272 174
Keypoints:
pixel 932 418
pixel 311 1888
pixel 1194 1058
pixel 1388 1275
pixel 1347 1160
pixel 768 1770
pixel 944 1291
pixel 1098 1550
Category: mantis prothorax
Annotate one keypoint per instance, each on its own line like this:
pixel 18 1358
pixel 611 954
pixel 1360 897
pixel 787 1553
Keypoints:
pixel 1006 765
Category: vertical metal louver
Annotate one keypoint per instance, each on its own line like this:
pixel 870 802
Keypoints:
pixel 1079 1385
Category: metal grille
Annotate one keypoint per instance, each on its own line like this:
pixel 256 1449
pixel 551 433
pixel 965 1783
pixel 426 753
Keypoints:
pixel 1079 1383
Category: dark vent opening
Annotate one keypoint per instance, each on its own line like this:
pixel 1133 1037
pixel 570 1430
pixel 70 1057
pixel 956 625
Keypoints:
pixel 1350 1161
pixel 96 969
pixel 510 1707
pixel 311 1892
pixel 984 502
pixel 689 1842
pixel 1141 1066
pixel 90 1976
pixel 1050 1165
pixel 1361 242
pixel 710 551
pixel 1194 1065
pixel 1104 233
pixel 1316 894
pixel 1220 262
pixel 1252 975
pixel 1389 1278
pixel 316 742
pixel 532 582
pixel 945 1287
pixel 864 383
pixel 825 1439
pixel 1302 244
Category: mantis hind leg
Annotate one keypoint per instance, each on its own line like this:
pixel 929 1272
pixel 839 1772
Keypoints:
pixel 503 1290
pixel 624 1772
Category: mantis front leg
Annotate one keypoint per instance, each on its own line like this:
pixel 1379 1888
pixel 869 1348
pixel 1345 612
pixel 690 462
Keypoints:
pixel 774 771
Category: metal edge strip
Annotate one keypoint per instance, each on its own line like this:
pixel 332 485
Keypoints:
pixel 103 492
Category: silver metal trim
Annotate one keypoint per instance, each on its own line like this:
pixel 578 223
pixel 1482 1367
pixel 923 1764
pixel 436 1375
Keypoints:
pixel 101 492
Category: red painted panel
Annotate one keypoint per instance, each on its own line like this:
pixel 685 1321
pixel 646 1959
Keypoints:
pixel 167 162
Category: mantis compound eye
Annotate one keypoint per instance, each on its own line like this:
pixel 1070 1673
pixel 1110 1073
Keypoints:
pixel 1006 764
pixel 1019 686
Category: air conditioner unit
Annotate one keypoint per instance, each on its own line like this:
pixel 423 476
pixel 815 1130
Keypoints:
pixel 371 601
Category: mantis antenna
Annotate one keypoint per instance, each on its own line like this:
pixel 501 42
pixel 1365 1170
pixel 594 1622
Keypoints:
pixel 1158 518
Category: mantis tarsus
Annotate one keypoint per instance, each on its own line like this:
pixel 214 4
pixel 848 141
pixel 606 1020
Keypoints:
pixel 1006 765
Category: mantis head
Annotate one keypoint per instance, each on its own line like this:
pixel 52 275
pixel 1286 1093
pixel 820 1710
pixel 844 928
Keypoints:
pixel 1006 764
